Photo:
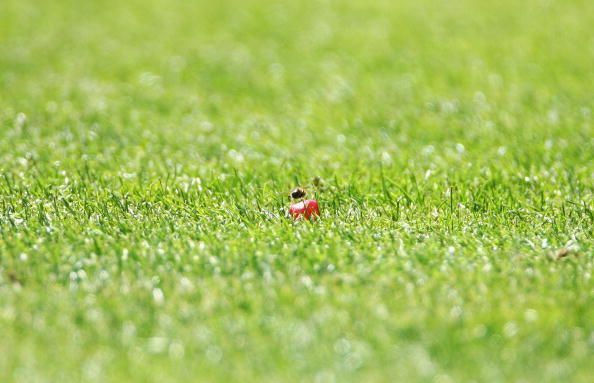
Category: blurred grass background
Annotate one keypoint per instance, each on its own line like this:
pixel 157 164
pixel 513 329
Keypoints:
pixel 145 148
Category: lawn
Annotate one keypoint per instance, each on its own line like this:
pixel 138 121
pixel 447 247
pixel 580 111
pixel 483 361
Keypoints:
pixel 147 149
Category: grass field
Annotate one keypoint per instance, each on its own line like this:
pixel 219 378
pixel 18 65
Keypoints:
pixel 147 147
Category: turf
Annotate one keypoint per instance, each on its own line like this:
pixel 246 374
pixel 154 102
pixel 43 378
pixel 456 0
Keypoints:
pixel 146 149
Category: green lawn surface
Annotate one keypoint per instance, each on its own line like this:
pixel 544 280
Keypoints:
pixel 147 149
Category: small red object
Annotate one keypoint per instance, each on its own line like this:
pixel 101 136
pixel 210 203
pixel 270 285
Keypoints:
pixel 307 208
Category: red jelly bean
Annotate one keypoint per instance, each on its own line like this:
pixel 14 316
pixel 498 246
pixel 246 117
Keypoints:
pixel 307 208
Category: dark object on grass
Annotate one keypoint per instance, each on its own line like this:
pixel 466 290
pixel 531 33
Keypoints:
pixel 298 193
pixel 564 252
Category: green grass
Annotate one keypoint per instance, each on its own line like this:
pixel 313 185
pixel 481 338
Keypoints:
pixel 146 148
